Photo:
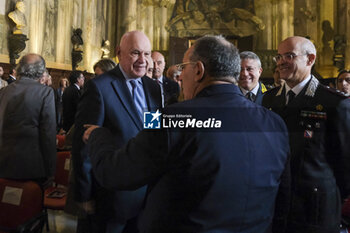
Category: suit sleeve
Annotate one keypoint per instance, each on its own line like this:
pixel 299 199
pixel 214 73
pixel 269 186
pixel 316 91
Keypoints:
pixel 279 223
pixel 341 148
pixel 47 127
pixel 282 202
pixel 90 111
pixel 138 163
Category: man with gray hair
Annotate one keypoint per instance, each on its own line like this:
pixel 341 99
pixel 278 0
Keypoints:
pixel 28 125
pixel 248 80
pixel 223 177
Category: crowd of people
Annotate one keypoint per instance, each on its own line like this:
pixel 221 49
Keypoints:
pixel 276 160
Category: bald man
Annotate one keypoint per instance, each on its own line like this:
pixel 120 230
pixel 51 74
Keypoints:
pixel 318 120
pixel 115 100
pixel 170 89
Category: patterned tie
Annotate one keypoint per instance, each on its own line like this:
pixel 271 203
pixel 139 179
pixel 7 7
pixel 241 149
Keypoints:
pixel 137 97
pixel 291 96
pixel 250 96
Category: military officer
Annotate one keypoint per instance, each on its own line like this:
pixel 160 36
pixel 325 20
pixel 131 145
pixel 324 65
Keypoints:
pixel 248 81
pixel 318 121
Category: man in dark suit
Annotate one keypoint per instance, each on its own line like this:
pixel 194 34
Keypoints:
pixel 170 89
pixel 248 80
pixel 222 177
pixel 70 99
pixel 28 125
pixel 12 75
pixel 318 120
pixel 115 100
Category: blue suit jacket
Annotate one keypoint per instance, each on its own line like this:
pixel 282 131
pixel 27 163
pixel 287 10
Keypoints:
pixel 107 102
pixel 202 180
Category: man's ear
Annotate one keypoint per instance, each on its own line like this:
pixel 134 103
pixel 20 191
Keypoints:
pixel 117 49
pixel 311 59
pixel 199 71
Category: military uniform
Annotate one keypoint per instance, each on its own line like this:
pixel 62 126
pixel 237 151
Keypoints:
pixel 318 121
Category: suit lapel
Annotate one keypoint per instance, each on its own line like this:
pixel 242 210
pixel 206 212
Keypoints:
pixel 122 91
pixel 279 102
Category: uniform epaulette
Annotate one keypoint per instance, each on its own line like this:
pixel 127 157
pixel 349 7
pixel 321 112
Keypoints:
pixel 263 88
pixel 272 89
pixel 335 91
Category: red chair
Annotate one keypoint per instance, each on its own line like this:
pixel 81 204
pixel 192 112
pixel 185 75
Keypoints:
pixel 60 141
pixel 21 206
pixel 55 197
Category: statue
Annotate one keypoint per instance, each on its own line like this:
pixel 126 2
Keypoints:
pixel 77 49
pixel 105 48
pixel 17 40
pixel 328 35
pixel 18 17
pixel 339 51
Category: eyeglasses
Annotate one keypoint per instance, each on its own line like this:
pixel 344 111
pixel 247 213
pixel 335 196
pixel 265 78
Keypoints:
pixel 286 57
pixel 181 66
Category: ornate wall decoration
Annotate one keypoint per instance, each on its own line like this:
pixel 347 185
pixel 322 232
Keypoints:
pixel 49 26
pixel 158 3
pixel 199 17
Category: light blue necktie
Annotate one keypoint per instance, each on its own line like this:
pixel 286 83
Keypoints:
pixel 137 97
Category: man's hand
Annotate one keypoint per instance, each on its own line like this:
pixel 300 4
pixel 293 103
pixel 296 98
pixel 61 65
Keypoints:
pixel 89 129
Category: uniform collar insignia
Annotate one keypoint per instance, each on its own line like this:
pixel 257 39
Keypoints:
pixel 310 91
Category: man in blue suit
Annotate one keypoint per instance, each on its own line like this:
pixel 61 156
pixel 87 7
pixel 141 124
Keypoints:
pixel 212 167
pixel 248 81
pixel 115 100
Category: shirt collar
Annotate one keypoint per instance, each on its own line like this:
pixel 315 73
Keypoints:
pixel 254 90
pixel 127 78
pixel 77 86
pixel 160 80
pixel 299 87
